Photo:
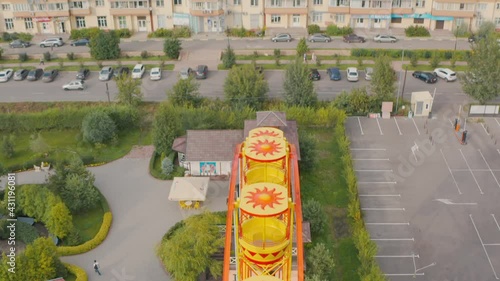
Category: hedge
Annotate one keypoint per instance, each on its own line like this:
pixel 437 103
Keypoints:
pixel 14 36
pixel 91 244
pixel 88 33
pixel 421 54
pixel 79 272
pixel 28 165
pixel 240 32
pixel 124 33
pixel 181 32
pixel 417 31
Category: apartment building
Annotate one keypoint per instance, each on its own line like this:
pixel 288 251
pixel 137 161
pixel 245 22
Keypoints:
pixel 61 16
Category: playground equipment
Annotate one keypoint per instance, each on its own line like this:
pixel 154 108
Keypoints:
pixel 263 208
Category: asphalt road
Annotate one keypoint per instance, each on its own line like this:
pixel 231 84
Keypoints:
pixel 18 91
pixel 443 44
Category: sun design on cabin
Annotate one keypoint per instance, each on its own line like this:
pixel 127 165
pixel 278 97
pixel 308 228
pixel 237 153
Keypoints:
pixel 265 197
pixel 267 133
pixel 265 147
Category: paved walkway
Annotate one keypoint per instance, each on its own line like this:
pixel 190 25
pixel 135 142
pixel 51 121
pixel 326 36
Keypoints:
pixel 142 214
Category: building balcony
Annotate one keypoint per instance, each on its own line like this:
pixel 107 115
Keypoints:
pixel 129 8
pixel 28 14
pixel 338 9
pixel 286 4
pixel 370 11
pixel 452 13
pixel 206 13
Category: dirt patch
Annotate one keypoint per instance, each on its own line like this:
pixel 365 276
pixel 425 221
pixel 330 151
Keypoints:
pixel 5 247
pixel 141 152
pixel 340 222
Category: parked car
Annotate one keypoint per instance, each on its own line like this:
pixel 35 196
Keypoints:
pixel 368 73
pixel 75 85
pixel 19 44
pixel 6 74
pixel 354 38
pixel 319 38
pixel 106 73
pixel 50 75
pixel 35 74
pixel 155 74
pixel 334 73
pixel 186 72
pixel 56 42
pixel 202 72
pixel 81 42
pixel 82 73
pixel 314 75
pixel 352 74
pixel 427 77
pixel 138 71
pixel 20 74
pixel 446 74
pixel 282 37
pixel 385 39
pixel 122 70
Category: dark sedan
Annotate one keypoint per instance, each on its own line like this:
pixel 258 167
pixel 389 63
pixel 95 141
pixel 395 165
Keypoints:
pixel 82 73
pixel 202 72
pixel 35 74
pixel 354 38
pixel 80 42
pixel 334 74
pixel 314 75
pixel 122 70
pixel 427 77
pixel 20 74
pixel 50 75
pixel 19 44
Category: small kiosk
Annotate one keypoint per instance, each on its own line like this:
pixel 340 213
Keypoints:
pixel 421 103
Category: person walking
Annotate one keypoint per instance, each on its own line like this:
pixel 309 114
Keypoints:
pixel 96 267
pixel 41 61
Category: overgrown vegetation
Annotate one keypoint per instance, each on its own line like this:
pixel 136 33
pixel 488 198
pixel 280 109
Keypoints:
pixel 417 31
pixel 172 48
pixel 178 32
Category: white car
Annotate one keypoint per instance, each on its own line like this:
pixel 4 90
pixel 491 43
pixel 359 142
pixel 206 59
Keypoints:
pixel 155 74
pixel 368 73
pixel 352 74
pixel 74 85
pixel 138 71
pixel 6 74
pixel 446 74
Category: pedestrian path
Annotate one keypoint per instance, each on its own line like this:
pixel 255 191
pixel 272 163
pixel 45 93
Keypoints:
pixel 86 63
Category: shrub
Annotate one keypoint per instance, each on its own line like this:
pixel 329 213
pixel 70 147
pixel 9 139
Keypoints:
pixel 144 54
pixel 98 127
pixel 414 60
pixel 22 57
pixel 167 166
pixel 161 33
pixel 172 48
pixel 78 272
pixel 417 31
pixel 240 32
pixel 124 33
pixel 435 60
pixel 14 36
pixel 453 61
pixel 26 233
pixel 178 32
pixel 313 28
pixel 302 47
pixel 91 244
pixel 182 32
pixel 70 56
pixel 360 61
pixel 277 53
pixel 334 30
pixel 314 214
pixel 4 231
pixel 88 33
pixel 277 61
pixel 1 52
pixel 47 56
pixel 228 58
pixel 7 147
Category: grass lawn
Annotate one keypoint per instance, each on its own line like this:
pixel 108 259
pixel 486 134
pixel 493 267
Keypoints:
pixel 327 185
pixel 89 222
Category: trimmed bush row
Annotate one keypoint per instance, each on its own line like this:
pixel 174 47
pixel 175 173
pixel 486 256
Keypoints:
pixel 417 31
pixel 14 36
pixel 93 31
pixel 79 272
pixel 241 32
pixel 91 244
pixel 28 165
pixel 421 54
pixel 181 32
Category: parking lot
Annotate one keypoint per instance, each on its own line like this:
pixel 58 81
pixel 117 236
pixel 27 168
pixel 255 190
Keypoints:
pixel 430 202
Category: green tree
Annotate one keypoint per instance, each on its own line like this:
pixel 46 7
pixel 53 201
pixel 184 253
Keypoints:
pixel 245 86
pixel 486 29
pixel 60 221
pixel 481 80
pixel 172 47
pixel 35 201
pixel 302 47
pixel 414 60
pixel 188 252
pixel 308 151
pixel 320 261
pixel 299 89
pixel 79 192
pixel 105 46
pixel 185 93
pixel 167 166
pixel 314 214
pixel 8 146
pixel 165 129
pixel 129 90
pixel 435 60
pixel 382 83
pixel 38 144
pixel 98 127
pixel 228 58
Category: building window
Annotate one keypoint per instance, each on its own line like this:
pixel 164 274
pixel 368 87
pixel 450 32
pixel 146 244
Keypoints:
pixel 76 5
pixel 28 23
pixel 418 21
pixel 318 2
pixel 340 18
pixel 254 2
pixel 498 6
pixel 177 2
pixel 420 3
pixel 80 22
pixel 5 7
pixel 102 22
pixel 317 17
pixel 276 3
pixel 122 22
pixel 237 2
pixel 396 20
pixel 99 3
pixel 497 22
pixel 9 24
pixel 337 3
pixel 481 6
pixel 275 18
pixel 160 3
pixel 479 21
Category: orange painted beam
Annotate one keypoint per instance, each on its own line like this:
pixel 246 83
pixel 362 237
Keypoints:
pixel 298 215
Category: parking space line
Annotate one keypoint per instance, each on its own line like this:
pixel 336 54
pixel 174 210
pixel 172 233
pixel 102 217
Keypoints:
pixel 360 127
pixel 451 173
pixel 475 170
pixel 394 239
pixel 484 128
pixel 402 256
pixel 398 126
pixel 493 244
pixel 498 123
pixel 418 131
pixel 373 159
pixel 484 248
pixel 376 182
pixel 471 172
pixel 405 274
pixel 382 209
pixel 450 122
pixel 373 171
pixel 380 129
pixel 375 149
pixel 380 195
pixel 493 174
pixel 498 226
pixel 387 223
pixel 498 150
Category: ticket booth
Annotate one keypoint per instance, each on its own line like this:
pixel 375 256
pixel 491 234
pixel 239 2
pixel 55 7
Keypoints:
pixel 421 103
